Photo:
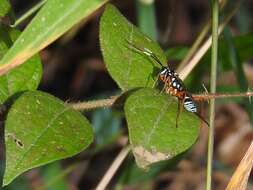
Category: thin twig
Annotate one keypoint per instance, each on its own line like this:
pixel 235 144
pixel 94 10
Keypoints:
pixel 113 168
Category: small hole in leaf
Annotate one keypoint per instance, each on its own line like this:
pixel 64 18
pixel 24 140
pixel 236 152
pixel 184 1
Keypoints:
pixel 15 139
pixel 19 143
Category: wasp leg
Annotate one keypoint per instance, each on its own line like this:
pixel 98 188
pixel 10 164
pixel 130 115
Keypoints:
pixel 164 87
pixel 179 110
pixel 154 85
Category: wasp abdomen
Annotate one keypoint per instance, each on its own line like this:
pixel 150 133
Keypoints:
pixel 189 104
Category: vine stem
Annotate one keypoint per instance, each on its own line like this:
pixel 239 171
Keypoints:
pixel 111 102
pixel 89 105
pixel 214 61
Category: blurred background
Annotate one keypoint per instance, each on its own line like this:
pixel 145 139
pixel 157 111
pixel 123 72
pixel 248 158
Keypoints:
pixel 74 71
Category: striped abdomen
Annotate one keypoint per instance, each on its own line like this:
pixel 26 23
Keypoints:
pixel 189 104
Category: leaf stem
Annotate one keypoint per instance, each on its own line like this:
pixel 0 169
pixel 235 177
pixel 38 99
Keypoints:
pixel 214 61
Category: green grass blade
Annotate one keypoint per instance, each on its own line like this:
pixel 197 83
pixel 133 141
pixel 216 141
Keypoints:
pixel 213 81
pixel 146 18
pixel 54 177
pixel 53 20
pixel 237 66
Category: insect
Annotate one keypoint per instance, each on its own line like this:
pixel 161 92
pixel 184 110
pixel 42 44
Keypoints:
pixel 173 85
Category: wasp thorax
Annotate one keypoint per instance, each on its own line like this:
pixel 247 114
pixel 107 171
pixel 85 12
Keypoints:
pixel 164 73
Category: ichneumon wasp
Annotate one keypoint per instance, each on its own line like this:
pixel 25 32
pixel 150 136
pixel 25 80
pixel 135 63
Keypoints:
pixel 173 85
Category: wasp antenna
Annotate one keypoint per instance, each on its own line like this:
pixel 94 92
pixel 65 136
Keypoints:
pixel 131 45
pixel 156 59
pixel 146 51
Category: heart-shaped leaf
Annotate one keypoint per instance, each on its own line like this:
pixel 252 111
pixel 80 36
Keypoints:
pixel 40 129
pixel 151 118
pixel 127 67
pixel 24 77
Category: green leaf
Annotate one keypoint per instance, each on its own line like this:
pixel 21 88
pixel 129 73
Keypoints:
pixel 176 53
pixel 127 67
pixel 24 77
pixel 53 20
pixel 54 177
pixel 4 7
pixel 134 175
pixel 243 45
pixel 40 129
pixel 151 118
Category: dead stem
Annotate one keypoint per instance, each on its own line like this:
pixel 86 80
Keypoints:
pixel 113 168
pixel 89 105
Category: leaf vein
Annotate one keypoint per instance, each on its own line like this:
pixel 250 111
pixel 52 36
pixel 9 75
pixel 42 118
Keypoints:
pixel 37 139
pixel 162 112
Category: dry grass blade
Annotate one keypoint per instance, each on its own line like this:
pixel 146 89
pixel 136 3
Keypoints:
pixel 240 178
pixel 113 168
pixel 206 45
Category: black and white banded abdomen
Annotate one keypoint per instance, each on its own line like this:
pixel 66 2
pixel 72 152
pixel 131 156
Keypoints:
pixel 189 104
